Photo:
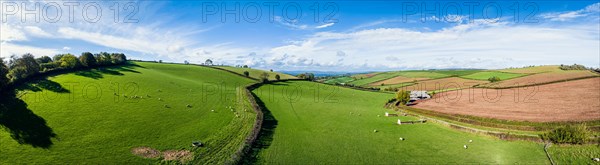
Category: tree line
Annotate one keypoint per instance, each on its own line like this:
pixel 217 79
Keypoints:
pixel 19 68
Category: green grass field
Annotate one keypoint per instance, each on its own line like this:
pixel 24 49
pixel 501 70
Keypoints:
pixel 339 80
pixel 312 123
pixel 574 154
pixel 255 73
pixel 487 74
pixel 85 116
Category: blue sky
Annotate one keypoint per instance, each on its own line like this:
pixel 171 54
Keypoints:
pixel 313 35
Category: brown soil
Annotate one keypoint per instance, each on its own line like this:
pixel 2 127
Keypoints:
pixel 182 155
pixel 444 83
pixel 577 100
pixel 146 152
pixel 397 80
pixel 543 78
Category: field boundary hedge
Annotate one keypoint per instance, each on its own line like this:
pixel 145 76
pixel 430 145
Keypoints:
pixel 593 125
pixel 498 134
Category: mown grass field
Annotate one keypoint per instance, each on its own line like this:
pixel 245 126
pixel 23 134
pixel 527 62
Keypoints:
pixel 313 123
pixel 94 117
pixel 487 74
pixel 255 73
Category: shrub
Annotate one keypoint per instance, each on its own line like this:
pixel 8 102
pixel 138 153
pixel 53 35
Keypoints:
pixel 572 67
pixel 568 134
pixel 494 79
pixel 403 96
pixel 277 77
pixel 246 73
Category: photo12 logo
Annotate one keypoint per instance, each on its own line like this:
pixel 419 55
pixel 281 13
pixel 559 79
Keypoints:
pixel 253 12
pixel 71 11
pixel 456 12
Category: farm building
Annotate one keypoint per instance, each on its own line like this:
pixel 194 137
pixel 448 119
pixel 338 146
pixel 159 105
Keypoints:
pixel 418 95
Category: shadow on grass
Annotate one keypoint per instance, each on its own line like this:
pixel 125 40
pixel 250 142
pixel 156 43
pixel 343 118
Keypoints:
pixel 37 85
pixel 265 137
pixel 99 73
pixel 23 125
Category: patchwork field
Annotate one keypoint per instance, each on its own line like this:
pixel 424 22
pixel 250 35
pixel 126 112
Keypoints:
pixel 339 80
pixel 487 74
pixel 334 127
pixel 104 116
pixel 444 83
pixel 376 79
pixel 541 78
pixel 574 154
pixel 397 80
pixel 534 69
pixel 255 73
pixel 576 100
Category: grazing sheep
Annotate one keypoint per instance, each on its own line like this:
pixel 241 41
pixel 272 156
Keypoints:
pixel 596 159
pixel 374 130
pixel 212 110
pixel 189 106
pixel 470 141
pixel 378 115
pixel 465 146
pixel 401 138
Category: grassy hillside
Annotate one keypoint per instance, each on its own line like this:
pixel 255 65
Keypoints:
pixel 487 74
pixel 95 117
pixel 534 69
pixel 255 73
pixel 311 123
pixel 339 80
pixel 374 80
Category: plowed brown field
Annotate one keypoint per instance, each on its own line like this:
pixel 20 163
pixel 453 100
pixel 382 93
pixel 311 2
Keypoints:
pixel 541 78
pixel 577 100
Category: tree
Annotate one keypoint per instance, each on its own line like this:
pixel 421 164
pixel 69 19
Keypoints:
pixel 494 79
pixel 271 70
pixel 87 59
pixel 57 57
pixel 246 73
pixel 306 76
pixel 277 77
pixel 118 58
pixel 208 62
pixel 264 76
pixel 403 97
pixel 245 66
pixel 43 59
pixel 23 67
pixel 103 58
pixel 69 61
pixel 186 62
pixel 3 74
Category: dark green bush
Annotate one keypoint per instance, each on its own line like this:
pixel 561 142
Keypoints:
pixel 568 134
pixel 494 79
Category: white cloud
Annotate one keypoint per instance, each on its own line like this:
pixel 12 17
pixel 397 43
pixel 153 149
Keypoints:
pixel 324 25
pixel 590 10
pixel 36 31
pixel 478 45
pixel 9 49
pixel 293 24
pixel 66 48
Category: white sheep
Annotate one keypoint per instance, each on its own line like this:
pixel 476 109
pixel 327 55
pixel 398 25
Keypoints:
pixel 374 130
pixel 470 141
pixel 596 159
pixel 401 138
pixel 465 146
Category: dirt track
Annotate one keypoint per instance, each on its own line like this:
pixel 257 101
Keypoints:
pixel 569 101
